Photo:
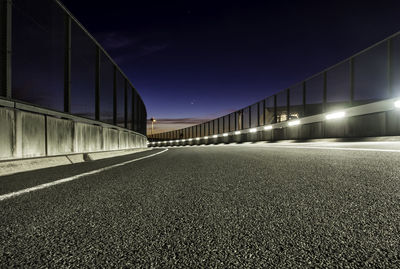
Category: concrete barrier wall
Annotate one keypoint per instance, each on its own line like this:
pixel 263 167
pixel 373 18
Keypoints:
pixel 25 134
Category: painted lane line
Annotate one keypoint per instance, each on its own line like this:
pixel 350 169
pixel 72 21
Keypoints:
pixel 60 181
pixel 301 147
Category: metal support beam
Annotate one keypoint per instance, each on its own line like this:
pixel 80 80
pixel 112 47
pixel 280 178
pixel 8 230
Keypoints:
pixel 126 104
pixel 389 67
pixel 275 110
pixel 288 103
pixel 304 98
pixel 249 116
pixel 133 109
pixel 236 124
pixel 67 65
pixel 324 93
pixel 351 62
pixel 264 106
pixel 5 47
pixel 241 120
pixel 97 84
pixel 115 97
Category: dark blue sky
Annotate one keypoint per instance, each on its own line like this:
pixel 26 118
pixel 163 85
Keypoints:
pixel 203 59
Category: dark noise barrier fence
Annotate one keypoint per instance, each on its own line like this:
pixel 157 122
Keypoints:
pixel 60 92
pixel 358 97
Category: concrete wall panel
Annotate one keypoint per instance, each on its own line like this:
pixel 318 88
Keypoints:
pixel 311 131
pixel 110 139
pixel 7 125
pixel 335 128
pixel 267 135
pixel 30 135
pixel 367 125
pixel 123 140
pixel 60 136
pixel 393 122
pixel 88 138
pixel 293 132
pixel 279 134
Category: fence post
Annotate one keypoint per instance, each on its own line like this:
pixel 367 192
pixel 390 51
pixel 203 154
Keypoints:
pixel 351 62
pixel 324 93
pixel 236 125
pixel 288 103
pixel 304 98
pixel 264 103
pixel 126 104
pixel 241 120
pixel 67 65
pixel 133 109
pixel 5 47
pixel 389 74
pixel 115 97
pixel 97 84
pixel 275 110
pixel 249 116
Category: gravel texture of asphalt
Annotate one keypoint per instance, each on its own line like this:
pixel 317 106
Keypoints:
pixel 201 207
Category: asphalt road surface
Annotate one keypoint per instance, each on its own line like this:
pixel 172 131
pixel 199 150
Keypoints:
pixel 248 206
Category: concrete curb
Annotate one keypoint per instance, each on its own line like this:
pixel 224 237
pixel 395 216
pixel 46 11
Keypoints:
pixel 25 165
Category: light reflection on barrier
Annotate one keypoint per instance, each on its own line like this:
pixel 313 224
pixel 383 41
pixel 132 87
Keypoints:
pixel 294 122
pixel 336 115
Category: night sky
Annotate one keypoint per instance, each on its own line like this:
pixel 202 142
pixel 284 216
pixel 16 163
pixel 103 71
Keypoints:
pixel 197 60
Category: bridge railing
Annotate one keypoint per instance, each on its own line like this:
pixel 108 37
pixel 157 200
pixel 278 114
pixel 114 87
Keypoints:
pixel 366 77
pixel 48 59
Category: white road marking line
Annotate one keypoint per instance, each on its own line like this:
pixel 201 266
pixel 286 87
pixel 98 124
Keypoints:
pixel 60 181
pixel 302 147
pixel 336 148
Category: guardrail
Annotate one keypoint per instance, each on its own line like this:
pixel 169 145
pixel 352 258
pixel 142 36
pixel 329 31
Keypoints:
pixel 369 76
pixel 48 59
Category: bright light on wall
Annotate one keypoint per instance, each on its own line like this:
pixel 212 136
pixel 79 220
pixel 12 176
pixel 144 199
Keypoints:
pixel 183 140
pixel 190 139
pixel 294 123
pixel 335 115
pixel 253 130
pixel 197 138
pixel 397 104
pixel 215 136
pixel 268 127
pixel 225 134
pixel 237 133
pixel 206 137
